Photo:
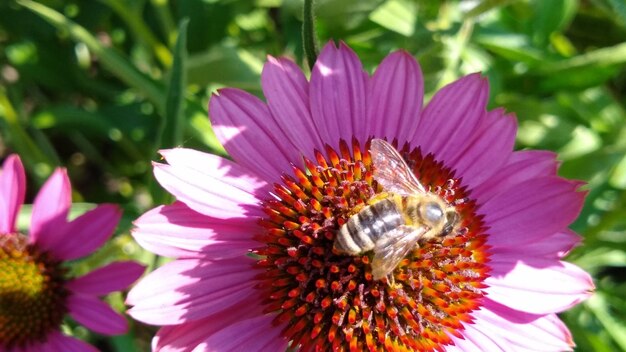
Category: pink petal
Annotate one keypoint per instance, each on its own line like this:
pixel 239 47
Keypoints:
pixel 537 285
pixel 86 233
pixel 186 336
pixel 177 231
pixel 115 276
pixel 191 289
pixel 258 332
pixel 452 116
pixel 476 340
pixel 528 331
pixel 395 96
pixel 489 149
pixel 215 166
pixel 59 342
pixel 556 246
pixel 338 88
pixel 51 208
pixel 521 166
pixel 287 93
pixel 216 197
pixel 251 136
pixel 531 210
pixel 12 190
pixel 96 315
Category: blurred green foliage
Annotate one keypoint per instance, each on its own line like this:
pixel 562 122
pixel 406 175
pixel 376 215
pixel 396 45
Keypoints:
pixel 100 86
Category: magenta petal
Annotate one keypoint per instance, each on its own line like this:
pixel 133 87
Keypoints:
pixel 115 276
pixel 338 88
pixel 177 231
pixel 190 289
pixel 12 190
pixel 537 285
pixel 521 166
pixel 186 336
pixel 96 315
pixel 59 342
pixel 51 208
pixel 489 149
pixel 216 197
pixel 86 233
pixel 287 93
pixel 452 116
pixel 251 136
pixel 395 96
pixel 257 332
pixel 531 210
pixel 556 246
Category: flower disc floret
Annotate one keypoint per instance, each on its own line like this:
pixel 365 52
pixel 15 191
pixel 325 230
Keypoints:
pixel 32 292
pixel 329 301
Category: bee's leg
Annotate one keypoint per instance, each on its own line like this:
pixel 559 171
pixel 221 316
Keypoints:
pixel 391 280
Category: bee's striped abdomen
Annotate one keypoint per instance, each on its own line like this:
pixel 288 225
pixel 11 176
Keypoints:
pixel 362 230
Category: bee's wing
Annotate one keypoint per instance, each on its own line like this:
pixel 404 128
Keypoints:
pixel 392 247
pixel 391 171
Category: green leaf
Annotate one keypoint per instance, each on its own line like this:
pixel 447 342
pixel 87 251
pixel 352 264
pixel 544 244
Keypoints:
pixel 110 58
pixel 552 16
pixel 600 58
pixel 171 133
pixel 396 15
pixel 225 65
pixel 599 305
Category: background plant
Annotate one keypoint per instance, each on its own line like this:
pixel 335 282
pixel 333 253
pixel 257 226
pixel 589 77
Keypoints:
pixel 100 86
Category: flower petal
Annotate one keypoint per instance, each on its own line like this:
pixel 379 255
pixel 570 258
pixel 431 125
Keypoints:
pixel 491 146
pixel 257 332
pixel 51 208
pixel 96 315
pixel 251 136
pixel 219 197
pixel 86 233
pixel 215 166
pixel 287 93
pixel 531 210
pixel 58 342
pixel 12 190
pixel 115 276
pixel 537 285
pixel 477 340
pixel 395 96
pixel 191 289
pixel 338 88
pixel 186 336
pixel 521 166
pixel 556 246
pixel 452 116
pixel 177 231
pixel 528 331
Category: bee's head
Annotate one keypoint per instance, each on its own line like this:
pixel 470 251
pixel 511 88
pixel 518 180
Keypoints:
pixel 452 219
pixel 432 213
pixel 439 217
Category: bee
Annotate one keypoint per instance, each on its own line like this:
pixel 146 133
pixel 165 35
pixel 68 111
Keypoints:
pixel 394 221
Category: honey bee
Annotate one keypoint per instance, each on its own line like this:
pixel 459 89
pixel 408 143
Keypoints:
pixel 394 221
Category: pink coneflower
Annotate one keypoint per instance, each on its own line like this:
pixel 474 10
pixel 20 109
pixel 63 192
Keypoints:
pixel 35 292
pixel 256 269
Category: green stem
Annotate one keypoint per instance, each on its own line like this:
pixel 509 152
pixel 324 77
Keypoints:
pixel 308 34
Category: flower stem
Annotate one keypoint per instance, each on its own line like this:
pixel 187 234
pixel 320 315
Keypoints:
pixel 308 34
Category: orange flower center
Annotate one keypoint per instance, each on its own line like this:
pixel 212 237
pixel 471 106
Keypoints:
pixel 326 300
